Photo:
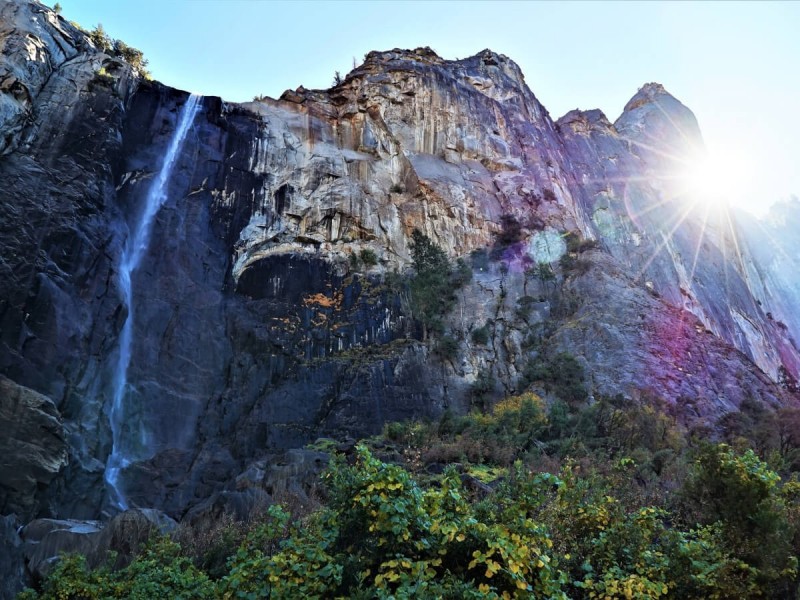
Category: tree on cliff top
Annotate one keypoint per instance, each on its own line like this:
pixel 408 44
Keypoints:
pixel 108 45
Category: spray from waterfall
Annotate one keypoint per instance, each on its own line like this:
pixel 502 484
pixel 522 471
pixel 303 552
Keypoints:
pixel 135 248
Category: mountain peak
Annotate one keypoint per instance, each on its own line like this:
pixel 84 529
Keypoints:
pixel 653 115
pixel 649 92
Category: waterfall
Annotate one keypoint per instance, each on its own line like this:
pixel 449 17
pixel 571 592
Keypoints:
pixel 135 248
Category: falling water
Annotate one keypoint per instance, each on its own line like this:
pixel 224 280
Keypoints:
pixel 135 248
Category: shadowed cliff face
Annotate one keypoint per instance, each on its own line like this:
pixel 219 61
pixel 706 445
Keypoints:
pixel 253 330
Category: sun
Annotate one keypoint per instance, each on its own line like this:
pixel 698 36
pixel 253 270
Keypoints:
pixel 716 179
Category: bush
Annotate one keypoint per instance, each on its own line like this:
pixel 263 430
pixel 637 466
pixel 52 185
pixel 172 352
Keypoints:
pixel 368 257
pixel 479 259
pixel 562 375
pixel 480 335
pixel 446 348
pixel 160 571
pixel 106 44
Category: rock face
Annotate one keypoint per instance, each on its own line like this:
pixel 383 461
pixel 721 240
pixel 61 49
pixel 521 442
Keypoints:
pixel 33 448
pixel 256 332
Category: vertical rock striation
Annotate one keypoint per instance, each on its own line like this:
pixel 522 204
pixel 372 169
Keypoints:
pixel 255 332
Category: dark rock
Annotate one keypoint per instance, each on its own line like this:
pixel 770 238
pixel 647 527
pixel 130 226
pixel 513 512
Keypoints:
pixel 127 532
pixel 13 576
pixel 33 448
pixel 253 334
pixel 45 539
pixel 241 504
pixel 475 486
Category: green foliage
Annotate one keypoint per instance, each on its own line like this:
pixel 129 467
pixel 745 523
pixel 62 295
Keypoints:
pixel 510 232
pixel 479 259
pixel 590 513
pixel 462 274
pixel 742 495
pixel 160 571
pixel 561 374
pixel 525 306
pixel 544 272
pixel 446 348
pixel 404 541
pixel 368 257
pixel 432 285
pixel 108 45
pixel 573 241
pixel 103 77
pixel 482 388
pixel 302 568
pixel 480 335
pixel 101 40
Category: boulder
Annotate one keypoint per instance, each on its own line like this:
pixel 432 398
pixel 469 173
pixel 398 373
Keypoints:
pixel 46 539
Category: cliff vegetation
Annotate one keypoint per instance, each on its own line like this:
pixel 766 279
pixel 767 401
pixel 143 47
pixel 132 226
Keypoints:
pixel 571 500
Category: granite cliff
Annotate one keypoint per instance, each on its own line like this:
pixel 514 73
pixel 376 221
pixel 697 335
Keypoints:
pixel 256 332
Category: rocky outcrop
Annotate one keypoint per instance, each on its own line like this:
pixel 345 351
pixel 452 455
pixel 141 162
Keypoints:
pixel 33 448
pixel 45 540
pixel 256 331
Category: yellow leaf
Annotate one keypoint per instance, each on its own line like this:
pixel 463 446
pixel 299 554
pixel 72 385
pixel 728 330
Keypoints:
pixel 461 537
pixel 522 585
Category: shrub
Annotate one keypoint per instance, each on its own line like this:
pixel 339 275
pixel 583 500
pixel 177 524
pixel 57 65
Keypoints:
pixel 368 257
pixel 510 231
pixel 483 388
pixel 106 44
pixel 562 374
pixel 446 348
pixel 479 259
pixel 480 335
pixel 160 571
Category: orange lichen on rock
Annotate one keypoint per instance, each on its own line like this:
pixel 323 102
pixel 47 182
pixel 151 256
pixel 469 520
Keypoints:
pixel 324 301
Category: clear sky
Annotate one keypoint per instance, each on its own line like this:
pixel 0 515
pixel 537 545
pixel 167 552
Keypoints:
pixel 735 64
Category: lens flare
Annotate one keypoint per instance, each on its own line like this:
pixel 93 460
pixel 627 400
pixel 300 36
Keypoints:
pixel 715 179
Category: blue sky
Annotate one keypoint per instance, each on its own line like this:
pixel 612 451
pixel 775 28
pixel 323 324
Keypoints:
pixel 735 65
